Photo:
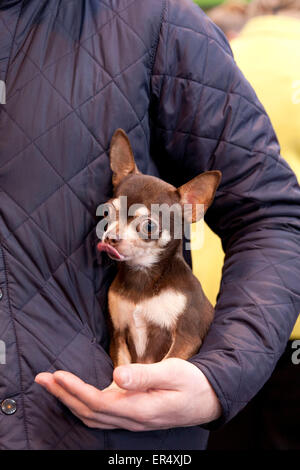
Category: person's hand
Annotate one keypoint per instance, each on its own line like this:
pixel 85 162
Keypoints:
pixel 167 394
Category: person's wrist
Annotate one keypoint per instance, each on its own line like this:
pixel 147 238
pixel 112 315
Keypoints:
pixel 209 397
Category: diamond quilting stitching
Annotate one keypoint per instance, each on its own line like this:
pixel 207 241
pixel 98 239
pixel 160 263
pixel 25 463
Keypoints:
pixel 75 109
pixel 66 257
pixel 113 77
pixel 121 72
pixel 5 26
pixel 64 261
pixel 73 177
pixel 122 19
pixel 82 120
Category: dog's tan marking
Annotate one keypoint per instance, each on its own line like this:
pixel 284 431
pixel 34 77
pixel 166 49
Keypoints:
pixel 162 310
pixel 123 355
pixel 165 308
pixel 126 314
pixel 138 329
pixel 116 203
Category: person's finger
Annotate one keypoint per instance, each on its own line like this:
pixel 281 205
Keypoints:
pixel 112 403
pixel 87 394
pixel 112 408
pixel 103 421
pixel 78 408
pixel 164 375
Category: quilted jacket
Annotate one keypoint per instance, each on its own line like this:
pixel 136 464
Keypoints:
pixel 273 77
pixel 75 70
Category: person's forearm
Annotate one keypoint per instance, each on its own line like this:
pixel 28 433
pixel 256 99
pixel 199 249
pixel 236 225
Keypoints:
pixel 257 308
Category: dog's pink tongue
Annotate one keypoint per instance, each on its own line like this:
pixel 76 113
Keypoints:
pixel 110 250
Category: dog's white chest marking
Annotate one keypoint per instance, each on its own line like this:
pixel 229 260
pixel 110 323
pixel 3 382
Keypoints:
pixel 138 331
pixel 163 310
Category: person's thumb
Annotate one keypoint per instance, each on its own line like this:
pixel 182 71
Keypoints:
pixel 166 374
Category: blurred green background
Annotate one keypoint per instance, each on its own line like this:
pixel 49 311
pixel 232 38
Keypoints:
pixel 209 3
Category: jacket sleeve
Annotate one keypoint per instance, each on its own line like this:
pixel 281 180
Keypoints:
pixel 205 116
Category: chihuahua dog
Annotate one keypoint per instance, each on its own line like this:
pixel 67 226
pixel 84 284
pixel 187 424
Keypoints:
pixel 157 307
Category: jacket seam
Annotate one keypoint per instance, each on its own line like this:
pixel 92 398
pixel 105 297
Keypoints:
pixel 189 134
pixel 163 16
pixel 208 36
pixel 168 33
pixel 18 348
pixel 13 40
pixel 154 49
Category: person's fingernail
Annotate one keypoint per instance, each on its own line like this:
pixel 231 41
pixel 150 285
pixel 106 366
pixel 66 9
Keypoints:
pixel 39 379
pixel 125 377
pixel 42 379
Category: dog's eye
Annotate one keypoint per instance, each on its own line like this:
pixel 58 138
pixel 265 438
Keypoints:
pixel 149 228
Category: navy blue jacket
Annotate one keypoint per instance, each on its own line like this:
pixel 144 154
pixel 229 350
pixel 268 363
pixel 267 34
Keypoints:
pixel 75 70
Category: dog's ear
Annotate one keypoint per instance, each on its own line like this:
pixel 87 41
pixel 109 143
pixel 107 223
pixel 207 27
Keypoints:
pixel 121 157
pixel 198 194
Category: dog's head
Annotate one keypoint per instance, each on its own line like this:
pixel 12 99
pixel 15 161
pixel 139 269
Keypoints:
pixel 145 219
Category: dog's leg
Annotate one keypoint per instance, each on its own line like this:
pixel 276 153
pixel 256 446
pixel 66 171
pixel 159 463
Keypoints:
pixel 123 356
pixel 190 331
pixel 183 347
pixel 120 355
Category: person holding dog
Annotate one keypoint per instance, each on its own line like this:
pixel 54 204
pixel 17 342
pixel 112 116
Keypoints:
pixel 74 72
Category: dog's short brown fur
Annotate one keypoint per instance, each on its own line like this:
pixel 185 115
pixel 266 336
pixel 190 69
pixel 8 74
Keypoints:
pixel 157 306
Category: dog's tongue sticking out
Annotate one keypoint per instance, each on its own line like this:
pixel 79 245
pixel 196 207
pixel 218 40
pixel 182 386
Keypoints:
pixel 110 250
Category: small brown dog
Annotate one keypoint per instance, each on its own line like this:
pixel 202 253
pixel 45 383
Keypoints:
pixel 157 307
